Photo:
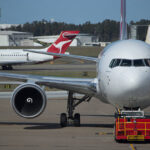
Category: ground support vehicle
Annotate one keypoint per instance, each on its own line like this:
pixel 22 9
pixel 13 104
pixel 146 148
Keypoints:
pixel 132 126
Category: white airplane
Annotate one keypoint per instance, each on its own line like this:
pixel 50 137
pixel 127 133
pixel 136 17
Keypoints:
pixel 123 80
pixel 9 57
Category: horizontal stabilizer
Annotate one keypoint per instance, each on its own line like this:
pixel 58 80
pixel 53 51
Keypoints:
pixel 69 35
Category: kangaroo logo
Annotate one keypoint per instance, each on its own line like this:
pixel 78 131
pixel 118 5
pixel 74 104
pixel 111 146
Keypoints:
pixel 60 45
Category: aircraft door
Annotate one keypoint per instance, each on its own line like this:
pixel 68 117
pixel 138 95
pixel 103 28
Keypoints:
pixel 27 56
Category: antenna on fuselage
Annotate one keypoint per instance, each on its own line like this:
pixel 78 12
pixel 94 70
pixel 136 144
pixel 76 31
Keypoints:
pixel 123 23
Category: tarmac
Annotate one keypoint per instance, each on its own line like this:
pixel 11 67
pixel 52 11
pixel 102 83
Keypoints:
pixel 45 133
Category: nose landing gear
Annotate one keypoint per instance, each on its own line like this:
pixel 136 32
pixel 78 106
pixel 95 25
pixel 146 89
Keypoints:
pixel 71 118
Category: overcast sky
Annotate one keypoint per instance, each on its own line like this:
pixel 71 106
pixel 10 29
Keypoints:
pixel 71 11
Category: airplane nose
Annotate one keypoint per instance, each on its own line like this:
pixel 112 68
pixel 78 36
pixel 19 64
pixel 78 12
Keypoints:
pixel 134 83
pixel 131 88
pixel 131 81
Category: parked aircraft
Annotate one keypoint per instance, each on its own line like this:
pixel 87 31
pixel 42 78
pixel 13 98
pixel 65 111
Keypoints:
pixel 123 80
pixel 9 57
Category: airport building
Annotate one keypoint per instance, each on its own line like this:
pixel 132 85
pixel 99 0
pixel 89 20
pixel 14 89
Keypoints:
pixel 5 26
pixel 15 38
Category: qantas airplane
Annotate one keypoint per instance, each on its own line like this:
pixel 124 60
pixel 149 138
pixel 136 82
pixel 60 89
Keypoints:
pixel 11 57
pixel 123 80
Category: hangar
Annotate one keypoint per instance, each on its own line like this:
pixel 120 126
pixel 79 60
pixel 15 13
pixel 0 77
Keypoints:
pixel 15 38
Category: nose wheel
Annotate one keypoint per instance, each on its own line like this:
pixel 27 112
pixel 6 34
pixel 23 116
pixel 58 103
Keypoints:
pixel 77 120
pixel 65 121
pixel 70 118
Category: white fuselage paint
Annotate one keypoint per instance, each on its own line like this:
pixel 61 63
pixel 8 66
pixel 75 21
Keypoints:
pixel 124 86
pixel 13 57
pixel 16 56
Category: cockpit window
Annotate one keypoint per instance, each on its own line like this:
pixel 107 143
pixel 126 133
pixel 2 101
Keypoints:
pixel 115 63
pixel 147 62
pixel 138 63
pixel 126 62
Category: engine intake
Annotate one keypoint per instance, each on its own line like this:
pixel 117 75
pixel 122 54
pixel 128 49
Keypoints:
pixel 29 100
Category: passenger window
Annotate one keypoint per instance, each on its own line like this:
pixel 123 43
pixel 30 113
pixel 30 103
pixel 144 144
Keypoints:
pixel 126 62
pixel 138 63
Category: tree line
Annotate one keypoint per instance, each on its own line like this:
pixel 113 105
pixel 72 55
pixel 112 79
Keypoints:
pixel 108 30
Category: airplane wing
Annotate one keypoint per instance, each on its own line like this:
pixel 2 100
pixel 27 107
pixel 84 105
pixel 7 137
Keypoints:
pixel 93 59
pixel 11 82
pixel 77 85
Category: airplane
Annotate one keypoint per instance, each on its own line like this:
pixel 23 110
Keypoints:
pixel 123 80
pixel 9 57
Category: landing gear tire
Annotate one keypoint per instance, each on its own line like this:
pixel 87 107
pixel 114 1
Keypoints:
pixel 63 120
pixel 77 120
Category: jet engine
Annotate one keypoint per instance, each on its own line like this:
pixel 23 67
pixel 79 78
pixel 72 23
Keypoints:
pixel 28 100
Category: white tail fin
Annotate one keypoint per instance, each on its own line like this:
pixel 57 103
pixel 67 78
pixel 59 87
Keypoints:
pixel 148 35
pixel 123 23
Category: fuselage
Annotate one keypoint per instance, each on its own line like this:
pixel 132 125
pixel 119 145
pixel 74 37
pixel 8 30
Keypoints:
pixel 124 74
pixel 19 56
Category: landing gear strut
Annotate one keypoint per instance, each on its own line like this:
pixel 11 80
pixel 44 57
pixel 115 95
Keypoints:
pixel 70 117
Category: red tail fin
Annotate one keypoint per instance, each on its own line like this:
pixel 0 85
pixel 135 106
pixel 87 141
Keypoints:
pixel 63 42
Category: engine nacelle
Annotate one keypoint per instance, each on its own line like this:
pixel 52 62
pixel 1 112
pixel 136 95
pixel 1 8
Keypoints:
pixel 28 100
